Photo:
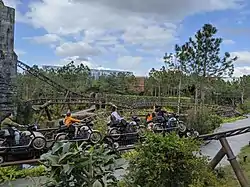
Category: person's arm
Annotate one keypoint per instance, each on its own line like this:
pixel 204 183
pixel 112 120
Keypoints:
pixel 75 120
pixel 11 123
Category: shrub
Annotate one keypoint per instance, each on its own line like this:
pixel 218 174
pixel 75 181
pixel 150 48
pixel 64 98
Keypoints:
pixel 73 165
pixel 168 161
pixel 205 121
pixel 246 106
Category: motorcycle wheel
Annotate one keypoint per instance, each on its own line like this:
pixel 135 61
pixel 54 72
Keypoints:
pixel 115 133
pixel 111 144
pixel 157 128
pixel 95 137
pixel 182 127
pixel 196 134
pixel 39 143
pixel 60 137
pixel 1 159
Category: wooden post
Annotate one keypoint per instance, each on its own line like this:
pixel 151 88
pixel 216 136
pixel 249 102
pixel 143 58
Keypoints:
pixel 48 113
pixel 235 165
pixel 218 157
pixel 65 99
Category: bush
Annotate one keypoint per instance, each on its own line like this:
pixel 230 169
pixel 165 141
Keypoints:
pixel 72 165
pixel 246 106
pixel 168 161
pixel 205 121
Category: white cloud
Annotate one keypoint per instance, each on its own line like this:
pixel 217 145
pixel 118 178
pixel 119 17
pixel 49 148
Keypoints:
pixel 117 25
pixel 242 65
pixel 78 60
pixel 79 15
pixel 76 49
pixel 240 71
pixel 149 36
pixel 45 39
pixel 228 42
pixel 129 62
pixel 19 52
pixel 243 57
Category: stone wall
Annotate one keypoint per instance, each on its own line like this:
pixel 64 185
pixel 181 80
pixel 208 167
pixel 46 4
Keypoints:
pixel 8 58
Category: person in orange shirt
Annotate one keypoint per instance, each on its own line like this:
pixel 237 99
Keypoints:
pixel 69 121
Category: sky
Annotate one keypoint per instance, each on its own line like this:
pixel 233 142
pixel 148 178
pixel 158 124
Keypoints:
pixel 131 35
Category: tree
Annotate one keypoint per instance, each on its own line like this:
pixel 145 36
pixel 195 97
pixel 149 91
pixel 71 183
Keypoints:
pixel 200 57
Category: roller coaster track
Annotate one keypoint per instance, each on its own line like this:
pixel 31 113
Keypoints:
pixel 214 136
pixel 139 104
pixel 44 78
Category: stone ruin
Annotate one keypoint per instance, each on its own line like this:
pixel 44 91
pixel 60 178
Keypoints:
pixel 8 58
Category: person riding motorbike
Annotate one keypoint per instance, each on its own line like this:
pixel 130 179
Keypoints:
pixel 160 112
pixel 116 118
pixel 10 127
pixel 69 121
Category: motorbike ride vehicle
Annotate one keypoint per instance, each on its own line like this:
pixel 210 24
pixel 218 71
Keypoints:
pixel 31 144
pixel 117 129
pixel 167 123
pixel 190 132
pixel 84 132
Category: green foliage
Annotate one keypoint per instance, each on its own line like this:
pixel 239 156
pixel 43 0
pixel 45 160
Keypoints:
pixel 246 106
pixel 201 55
pixel 204 120
pixel 200 58
pixel 168 161
pixel 13 173
pixel 73 165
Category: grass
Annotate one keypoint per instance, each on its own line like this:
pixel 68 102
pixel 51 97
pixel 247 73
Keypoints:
pixel 12 173
pixel 229 177
pixel 232 119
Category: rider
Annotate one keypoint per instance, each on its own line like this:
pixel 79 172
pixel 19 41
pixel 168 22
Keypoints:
pixel 69 121
pixel 9 126
pixel 116 117
pixel 160 112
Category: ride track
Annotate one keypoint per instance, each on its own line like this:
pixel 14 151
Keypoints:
pixel 221 136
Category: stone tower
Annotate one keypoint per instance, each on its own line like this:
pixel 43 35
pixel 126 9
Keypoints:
pixel 8 58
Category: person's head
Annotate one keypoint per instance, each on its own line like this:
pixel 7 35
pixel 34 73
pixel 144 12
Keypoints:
pixel 68 113
pixel 114 108
pixel 9 115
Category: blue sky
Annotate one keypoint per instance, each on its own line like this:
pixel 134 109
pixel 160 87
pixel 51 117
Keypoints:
pixel 128 35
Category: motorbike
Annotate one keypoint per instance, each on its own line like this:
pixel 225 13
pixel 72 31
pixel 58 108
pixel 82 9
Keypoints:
pixel 190 132
pixel 167 123
pixel 29 143
pixel 117 129
pixel 84 132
